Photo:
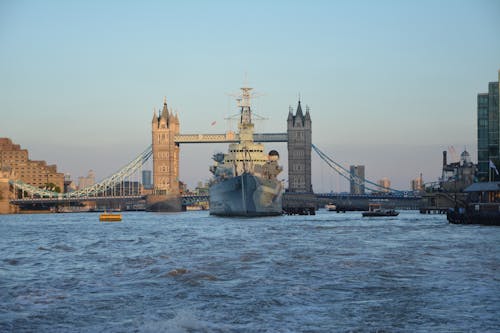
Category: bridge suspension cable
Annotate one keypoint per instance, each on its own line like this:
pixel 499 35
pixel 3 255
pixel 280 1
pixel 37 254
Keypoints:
pixel 116 178
pixel 101 188
pixel 347 174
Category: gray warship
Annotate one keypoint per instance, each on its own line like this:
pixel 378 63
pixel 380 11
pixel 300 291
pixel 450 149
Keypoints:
pixel 244 182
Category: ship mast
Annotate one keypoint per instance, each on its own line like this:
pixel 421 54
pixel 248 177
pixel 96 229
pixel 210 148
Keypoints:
pixel 245 126
pixel 244 104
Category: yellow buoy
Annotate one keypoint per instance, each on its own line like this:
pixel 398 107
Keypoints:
pixel 107 217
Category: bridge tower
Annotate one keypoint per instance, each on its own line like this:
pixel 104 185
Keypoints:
pixel 299 150
pixel 166 193
pixel 299 198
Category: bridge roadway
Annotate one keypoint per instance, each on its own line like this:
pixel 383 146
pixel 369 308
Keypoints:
pixel 229 137
pixel 342 200
pixel 346 202
pixel 399 197
pixel 186 199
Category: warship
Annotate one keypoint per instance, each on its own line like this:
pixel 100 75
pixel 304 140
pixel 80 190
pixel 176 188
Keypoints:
pixel 244 179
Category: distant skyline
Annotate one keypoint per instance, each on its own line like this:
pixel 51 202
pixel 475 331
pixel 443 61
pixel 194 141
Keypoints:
pixel 390 84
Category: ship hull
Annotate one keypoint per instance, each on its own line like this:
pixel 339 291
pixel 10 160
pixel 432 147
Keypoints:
pixel 246 195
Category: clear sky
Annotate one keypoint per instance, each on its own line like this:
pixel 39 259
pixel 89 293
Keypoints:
pixel 390 84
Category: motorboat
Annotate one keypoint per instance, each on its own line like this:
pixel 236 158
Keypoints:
pixel 331 207
pixel 376 210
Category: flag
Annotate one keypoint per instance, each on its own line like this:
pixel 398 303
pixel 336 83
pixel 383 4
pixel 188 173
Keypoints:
pixel 213 123
pixel 493 166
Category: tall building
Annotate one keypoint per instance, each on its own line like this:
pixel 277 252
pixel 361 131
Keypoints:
pixel 488 135
pixel 357 175
pixel 385 185
pixel 417 184
pixel 299 150
pixel 36 173
pixel 146 179
pixel 165 127
pixel 69 185
pixel 87 181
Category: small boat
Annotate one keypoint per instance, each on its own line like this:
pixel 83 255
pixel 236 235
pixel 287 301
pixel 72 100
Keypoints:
pixel 376 210
pixel 110 217
pixel 331 207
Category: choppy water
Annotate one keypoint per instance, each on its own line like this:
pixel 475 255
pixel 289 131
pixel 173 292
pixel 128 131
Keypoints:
pixel 190 272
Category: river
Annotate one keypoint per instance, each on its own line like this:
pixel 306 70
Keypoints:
pixel 191 272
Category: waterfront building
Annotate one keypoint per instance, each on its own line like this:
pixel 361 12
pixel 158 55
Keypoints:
pixel 357 175
pixel 384 185
pixel 299 129
pixel 35 173
pixel 457 176
pixel 6 191
pixel 488 134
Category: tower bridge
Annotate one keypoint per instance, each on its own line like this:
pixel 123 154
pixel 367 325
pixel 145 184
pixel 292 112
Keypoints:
pixel 164 151
pixel 166 139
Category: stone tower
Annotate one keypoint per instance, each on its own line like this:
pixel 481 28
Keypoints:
pixel 299 150
pixel 166 193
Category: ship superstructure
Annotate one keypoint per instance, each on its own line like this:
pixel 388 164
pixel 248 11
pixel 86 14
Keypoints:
pixel 245 182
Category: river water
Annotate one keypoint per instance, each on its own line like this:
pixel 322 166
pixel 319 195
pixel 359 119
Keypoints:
pixel 190 272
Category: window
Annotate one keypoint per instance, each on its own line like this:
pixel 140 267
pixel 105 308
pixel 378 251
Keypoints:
pixel 482 113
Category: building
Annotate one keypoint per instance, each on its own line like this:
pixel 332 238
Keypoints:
pixel 125 188
pixel 84 182
pixel 69 185
pixel 457 176
pixel 6 191
pixel 299 129
pixel 146 179
pixel 35 173
pixel 357 175
pixel 488 135
pixel 416 184
pixel 384 185
pixel 202 189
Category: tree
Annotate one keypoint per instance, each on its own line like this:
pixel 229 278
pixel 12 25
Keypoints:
pixel 51 187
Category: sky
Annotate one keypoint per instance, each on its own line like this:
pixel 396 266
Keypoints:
pixel 390 84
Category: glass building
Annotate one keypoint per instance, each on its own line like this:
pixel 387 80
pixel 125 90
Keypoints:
pixel 488 134
pixel 146 179
pixel 357 179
